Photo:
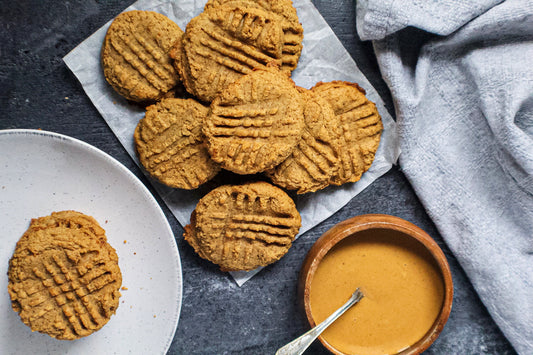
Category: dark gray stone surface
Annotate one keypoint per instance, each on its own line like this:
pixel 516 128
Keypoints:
pixel 217 317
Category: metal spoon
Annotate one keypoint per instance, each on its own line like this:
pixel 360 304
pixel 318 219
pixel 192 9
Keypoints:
pixel 298 345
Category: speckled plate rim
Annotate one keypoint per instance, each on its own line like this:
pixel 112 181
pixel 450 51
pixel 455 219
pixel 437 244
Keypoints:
pixel 130 335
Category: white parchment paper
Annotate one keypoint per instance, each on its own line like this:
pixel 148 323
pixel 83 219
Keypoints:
pixel 323 59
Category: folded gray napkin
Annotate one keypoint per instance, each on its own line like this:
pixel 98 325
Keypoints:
pixel 461 75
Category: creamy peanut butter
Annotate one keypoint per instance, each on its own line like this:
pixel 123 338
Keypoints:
pixel 403 288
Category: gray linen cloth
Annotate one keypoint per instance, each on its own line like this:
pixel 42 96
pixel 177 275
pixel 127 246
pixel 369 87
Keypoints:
pixel 461 76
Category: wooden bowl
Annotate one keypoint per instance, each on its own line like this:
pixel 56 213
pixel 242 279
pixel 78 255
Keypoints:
pixel 357 224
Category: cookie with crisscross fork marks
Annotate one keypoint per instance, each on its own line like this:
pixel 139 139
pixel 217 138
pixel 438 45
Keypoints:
pixel 64 277
pixel 361 128
pixel 135 55
pixel 242 227
pixel 225 42
pixel 255 123
pixel 293 32
pixel 315 160
pixel 171 146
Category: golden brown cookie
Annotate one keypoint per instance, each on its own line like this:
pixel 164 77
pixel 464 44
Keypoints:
pixel 135 55
pixel 293 32
pixel 255 123
pixel 64 277
pixel 225 42
pixel 315 160
pixel 170 143
pixel 361 126
pixel 242 227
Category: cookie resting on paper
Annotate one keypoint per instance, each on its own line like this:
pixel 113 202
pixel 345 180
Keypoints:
pixel 255 123
pixel 293 32
pixel 135 55
pixel 170 143
pixel 242 227
pixel 361 127
pixel 225 42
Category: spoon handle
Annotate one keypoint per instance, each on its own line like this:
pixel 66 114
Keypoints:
pixel 298 345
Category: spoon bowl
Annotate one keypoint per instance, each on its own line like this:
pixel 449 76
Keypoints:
pixel 366 224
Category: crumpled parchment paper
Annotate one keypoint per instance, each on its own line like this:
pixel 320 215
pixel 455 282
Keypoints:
pixel 323 59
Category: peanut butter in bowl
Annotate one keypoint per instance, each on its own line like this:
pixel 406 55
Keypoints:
pixel 405 281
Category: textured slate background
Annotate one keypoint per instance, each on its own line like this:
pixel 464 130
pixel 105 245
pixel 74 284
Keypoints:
pixel 217 317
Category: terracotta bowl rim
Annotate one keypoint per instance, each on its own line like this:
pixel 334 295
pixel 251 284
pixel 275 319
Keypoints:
pixel 364 222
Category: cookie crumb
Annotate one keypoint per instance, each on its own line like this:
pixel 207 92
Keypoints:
pixel 125 241
pixel 124 288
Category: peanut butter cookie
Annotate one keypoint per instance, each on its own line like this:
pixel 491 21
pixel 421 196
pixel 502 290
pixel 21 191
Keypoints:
pixel 135 55
pixel 315 160
pixel 255 123
pixel 293 32
pixel 243 227
pixel 361 128
pixel 170 143
pixel 225 42
pixel 64 277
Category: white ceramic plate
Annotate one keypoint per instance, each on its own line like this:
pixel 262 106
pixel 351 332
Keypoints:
pixel 42 172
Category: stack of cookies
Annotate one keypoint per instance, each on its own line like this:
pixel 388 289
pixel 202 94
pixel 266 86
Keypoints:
pixel 64 277
pixel 242 113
